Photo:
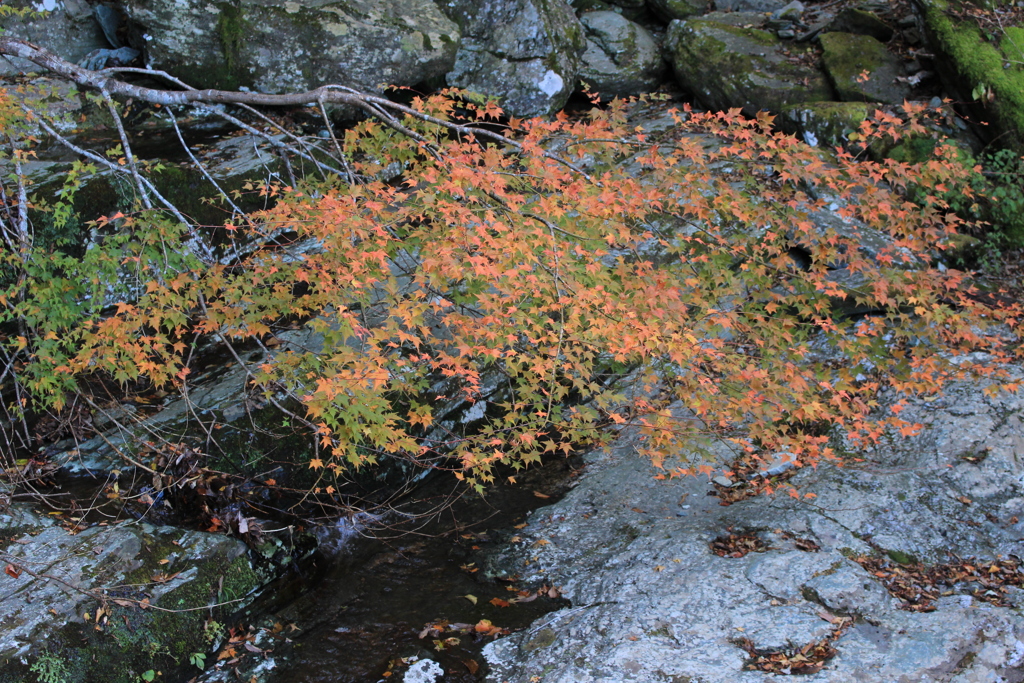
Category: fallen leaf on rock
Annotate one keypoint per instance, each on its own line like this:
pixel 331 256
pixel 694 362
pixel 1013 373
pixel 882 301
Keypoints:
pixel 485 627
pixel 918 585
pixel 738 545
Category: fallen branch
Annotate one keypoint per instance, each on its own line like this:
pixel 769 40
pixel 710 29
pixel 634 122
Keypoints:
pixel 375 105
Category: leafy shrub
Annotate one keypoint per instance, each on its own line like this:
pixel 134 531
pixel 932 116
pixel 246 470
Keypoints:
pixel 550 277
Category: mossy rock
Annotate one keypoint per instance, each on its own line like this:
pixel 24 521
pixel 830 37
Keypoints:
pixel 826 124
pixel 116 641
pixel 295 46
pixel 860 22
pixel 848 57
pixel 667 10
pixel 622 58
pixel 988 75
pixel 726 64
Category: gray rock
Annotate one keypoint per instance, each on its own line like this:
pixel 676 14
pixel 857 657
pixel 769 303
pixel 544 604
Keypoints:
pixel 68 30
pixel 295 45
pixel 847 57
pixel 622 58
pixel 111 20
pixel 827 124
pixel 527 53
pixel 100 59
pixel 793 11
pixel 424 671
pixel 668 10
pixel 651 603
pixel 854 20
pixel 726 63
pixel 172 568
pixel 761 6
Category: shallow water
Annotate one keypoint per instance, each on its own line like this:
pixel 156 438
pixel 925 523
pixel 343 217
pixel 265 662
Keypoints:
pixel 360 605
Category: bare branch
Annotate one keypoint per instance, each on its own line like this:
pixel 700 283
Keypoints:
pixel 326 94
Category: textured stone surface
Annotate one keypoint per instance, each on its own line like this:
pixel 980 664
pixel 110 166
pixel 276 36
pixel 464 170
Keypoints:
pixel 861 22
pixel 724 64
pixel 69 31
pixel 295 45
pixel 848 57
pixel 172 568
pixel 826 124
pixel 621 57
pixel 525 52
pixel 761 6
pixel 668 10
pixel 650 602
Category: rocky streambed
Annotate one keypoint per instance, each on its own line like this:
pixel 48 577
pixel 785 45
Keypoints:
pixel 905 565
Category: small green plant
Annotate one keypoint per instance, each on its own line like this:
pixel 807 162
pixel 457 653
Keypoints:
pixel 50 669
pixel 149 676
pixel 998 201
pixel 213 631
pixel 197 659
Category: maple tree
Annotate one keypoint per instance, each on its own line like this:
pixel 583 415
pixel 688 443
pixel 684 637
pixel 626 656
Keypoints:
pixel 564 274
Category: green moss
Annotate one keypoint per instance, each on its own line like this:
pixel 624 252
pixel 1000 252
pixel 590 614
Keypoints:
pixel 914 150
pixel 831 123
pixel 544 638
pixel 729 66
pixel 131 640
pixel 231 30
pixel 900 557
pixel 974 62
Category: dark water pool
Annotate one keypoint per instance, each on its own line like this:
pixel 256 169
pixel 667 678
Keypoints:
pixel 360 605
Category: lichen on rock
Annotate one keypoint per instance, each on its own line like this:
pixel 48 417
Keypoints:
pixel 726 63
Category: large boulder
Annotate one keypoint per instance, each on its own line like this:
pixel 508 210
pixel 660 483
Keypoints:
pixel 295 46
pixel 68 30
pixel 726 64
pixel 987 75
pixel 525 52
pixel 651 601
pixel 74 600
pixel 622 58
pixel 861 69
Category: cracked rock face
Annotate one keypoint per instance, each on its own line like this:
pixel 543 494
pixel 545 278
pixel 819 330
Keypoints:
pixel 651 602
pixel 724 63
pixel 525 52
pixel 622 58
pixel 296 45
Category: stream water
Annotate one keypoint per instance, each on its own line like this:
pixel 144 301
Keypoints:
pixel 356 610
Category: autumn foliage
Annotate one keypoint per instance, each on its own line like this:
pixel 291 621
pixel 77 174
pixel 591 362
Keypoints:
pixel 579 274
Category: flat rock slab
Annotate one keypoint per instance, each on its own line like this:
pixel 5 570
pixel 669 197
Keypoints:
pixel 651 602
pixel 73 595
pixel 862 69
